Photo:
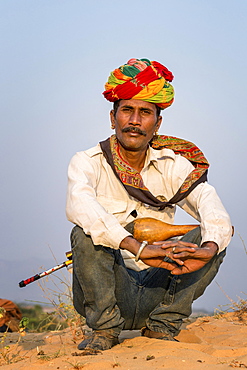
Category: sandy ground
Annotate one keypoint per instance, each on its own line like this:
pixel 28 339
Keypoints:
pixel 208 343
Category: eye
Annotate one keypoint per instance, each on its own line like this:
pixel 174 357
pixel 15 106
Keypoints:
pixel 146 111
pixel 125 109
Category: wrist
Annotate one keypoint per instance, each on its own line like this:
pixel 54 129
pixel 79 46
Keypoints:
pixel 130 244
pixel 212 246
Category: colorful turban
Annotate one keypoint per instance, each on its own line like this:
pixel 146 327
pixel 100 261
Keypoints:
pixel 143 80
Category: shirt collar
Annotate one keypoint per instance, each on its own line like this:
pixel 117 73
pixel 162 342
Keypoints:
pixel 154 157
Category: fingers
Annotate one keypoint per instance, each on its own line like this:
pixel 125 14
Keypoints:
pixel 167 265
pixel 160 263
pixel 179 271
pixel 184 253
pixel 195 253
pixel 172 251
pixel 157 251
pixel 175 243
pixel 180 251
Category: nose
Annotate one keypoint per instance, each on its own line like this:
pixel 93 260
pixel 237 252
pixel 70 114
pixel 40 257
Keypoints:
pixel 135 118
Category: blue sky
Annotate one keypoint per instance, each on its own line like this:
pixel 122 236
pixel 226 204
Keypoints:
pixel 55 59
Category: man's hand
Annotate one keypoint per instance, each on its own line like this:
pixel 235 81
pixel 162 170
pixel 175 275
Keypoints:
pixel 152 255
pixel 187 257
pixel 193 259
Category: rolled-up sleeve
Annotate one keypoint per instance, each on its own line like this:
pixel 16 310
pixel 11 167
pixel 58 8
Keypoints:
pixel 83 208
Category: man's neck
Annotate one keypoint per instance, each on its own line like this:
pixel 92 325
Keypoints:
pixel 136 159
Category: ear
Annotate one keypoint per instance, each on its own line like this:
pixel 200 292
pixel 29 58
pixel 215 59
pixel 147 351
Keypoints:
pixel 158 123
pixel 112 118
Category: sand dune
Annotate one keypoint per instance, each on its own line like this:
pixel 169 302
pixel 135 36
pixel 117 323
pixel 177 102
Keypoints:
pixel 208 343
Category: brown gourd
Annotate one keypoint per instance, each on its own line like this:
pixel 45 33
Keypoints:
pixel 153 230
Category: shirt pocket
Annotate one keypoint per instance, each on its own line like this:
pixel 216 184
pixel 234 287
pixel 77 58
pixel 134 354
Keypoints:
pixel 112 205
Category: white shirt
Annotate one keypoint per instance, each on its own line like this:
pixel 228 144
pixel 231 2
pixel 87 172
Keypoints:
pixel 98 202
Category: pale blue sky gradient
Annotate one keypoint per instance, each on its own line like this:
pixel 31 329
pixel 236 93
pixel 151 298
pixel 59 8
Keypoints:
pixel 55 58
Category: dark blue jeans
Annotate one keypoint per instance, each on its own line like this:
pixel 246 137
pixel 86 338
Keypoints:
pixel 112 297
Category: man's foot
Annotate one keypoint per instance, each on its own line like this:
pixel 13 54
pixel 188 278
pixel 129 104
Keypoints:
pixel 145 332
pixel 99 340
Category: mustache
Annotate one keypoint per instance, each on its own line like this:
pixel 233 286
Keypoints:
pixel 134 129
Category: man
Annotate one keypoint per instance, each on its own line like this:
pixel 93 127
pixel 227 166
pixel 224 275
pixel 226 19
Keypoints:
pixel 120 282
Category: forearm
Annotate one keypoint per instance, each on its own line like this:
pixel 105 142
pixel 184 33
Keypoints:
pixel 204 204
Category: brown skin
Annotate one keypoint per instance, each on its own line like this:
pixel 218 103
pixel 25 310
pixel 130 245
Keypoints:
pixel 135 114
pixel 135 124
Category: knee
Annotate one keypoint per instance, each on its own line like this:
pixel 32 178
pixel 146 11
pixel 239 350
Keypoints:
pixel 77 236
pixel 82 244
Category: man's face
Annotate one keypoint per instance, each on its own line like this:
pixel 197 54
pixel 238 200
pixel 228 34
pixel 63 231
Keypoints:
pixel 135 123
